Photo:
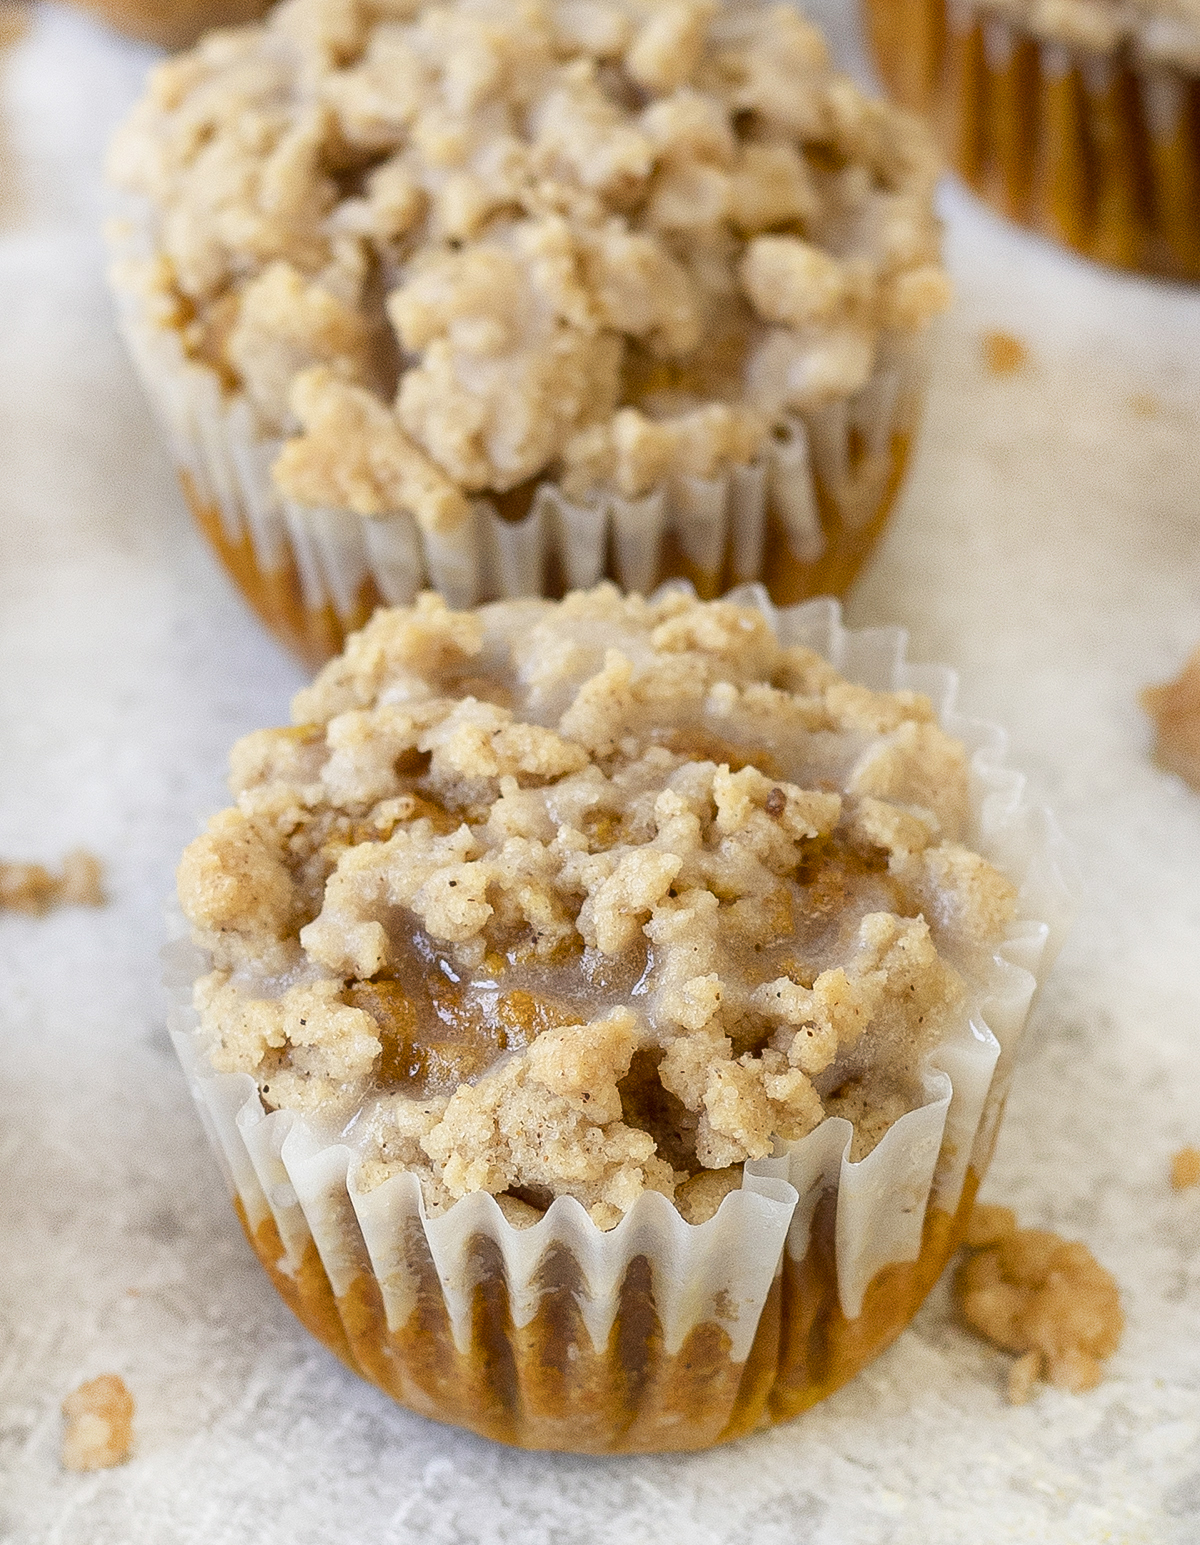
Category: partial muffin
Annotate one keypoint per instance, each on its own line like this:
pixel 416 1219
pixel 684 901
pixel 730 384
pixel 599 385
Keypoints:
pixel 173 23
pixel 502 298
pixel 604 1007
pixel 1080 118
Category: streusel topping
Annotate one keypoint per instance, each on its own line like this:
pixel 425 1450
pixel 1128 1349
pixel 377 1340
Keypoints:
pixel 447 249
pixel 589 898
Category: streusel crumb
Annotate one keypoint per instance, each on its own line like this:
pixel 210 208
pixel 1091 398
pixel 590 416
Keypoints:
pixel 588 899
pixel 1003 354
pixel 1046 1298
pixel 1185 1169
pixel 449 249
pixel 1175 709
pixel 98 1424
pixel 32 888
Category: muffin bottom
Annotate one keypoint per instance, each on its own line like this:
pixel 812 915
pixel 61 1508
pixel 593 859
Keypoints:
pixel 1098 151
pixel 316 632
pixel 544 1386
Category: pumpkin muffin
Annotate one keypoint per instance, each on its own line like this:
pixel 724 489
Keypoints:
pixel 604 1007
pixel 172 23
pixel 501 298
pixel 1079 118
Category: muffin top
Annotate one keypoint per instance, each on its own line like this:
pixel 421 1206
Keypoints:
pixel 589 898
pixel 1167 30
pixel 451 249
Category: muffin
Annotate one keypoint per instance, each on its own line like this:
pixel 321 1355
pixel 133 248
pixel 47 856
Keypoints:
pixel 172 23
pixel 1079 118
pixel 604 1007
pixel 501 299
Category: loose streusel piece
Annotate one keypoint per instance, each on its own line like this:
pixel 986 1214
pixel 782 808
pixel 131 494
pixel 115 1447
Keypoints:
pixel 1175 709
pixel 1046 1298
pixel 98 1424
pixel 32 888
pixel 1185 1169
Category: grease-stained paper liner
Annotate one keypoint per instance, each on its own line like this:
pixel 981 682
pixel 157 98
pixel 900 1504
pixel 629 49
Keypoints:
pixel 801 518
pixel 658 1334
pixel 1099 150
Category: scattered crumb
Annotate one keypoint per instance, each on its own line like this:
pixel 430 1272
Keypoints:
pixel 1175 709
pixel 1145 405
pixel 1185 1169
pixel 1044 1297
pixel 1003 354
pixel 33 889
pixel 98 1430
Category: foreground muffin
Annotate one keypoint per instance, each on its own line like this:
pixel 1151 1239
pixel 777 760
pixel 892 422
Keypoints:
pixel 604 1008
pixel 503 297
pixel 1080 118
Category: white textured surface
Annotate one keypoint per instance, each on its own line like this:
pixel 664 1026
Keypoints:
pixel 1049 546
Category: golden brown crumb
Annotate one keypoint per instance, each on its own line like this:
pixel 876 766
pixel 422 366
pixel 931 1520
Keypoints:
pixel 1175 709
pixel 1003 354
pixel 1044 1297
pixel 1185 1169
pixel 31 888
pixel 1145 405
pixel 98 1430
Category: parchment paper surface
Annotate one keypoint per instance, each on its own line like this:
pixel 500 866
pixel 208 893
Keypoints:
pixel 1048 546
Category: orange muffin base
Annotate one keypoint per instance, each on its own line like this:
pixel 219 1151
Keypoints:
pixel 172 24
pixel 544 1386
pixel 1098 152
pixel 316 634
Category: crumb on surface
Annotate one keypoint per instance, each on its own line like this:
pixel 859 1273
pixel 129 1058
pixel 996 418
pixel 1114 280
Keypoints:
pixel 1046 1298
pixel 1175 709
pixel 1004 354
pixel 1185 1169
pixel 33 889
pixel 1145 405
pixel 98 1424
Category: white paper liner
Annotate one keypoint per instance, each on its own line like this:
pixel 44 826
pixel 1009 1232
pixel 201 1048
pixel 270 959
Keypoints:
pixel 217 440
pixel 723 1269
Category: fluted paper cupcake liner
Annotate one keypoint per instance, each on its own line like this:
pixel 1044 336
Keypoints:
pixel 1099 150
pixel 801 518
pixel 658 1334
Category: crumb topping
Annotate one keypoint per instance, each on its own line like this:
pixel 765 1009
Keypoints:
pixel 1045 1298
pixel 97 1424
pixel 1175 709
pixel 589 898
pixel 32 888
pixel 446 249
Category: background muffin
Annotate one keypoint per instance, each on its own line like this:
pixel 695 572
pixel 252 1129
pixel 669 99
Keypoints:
pixel 1080 118
pixel 173 23
pixel 503 298
pixel 612 1006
